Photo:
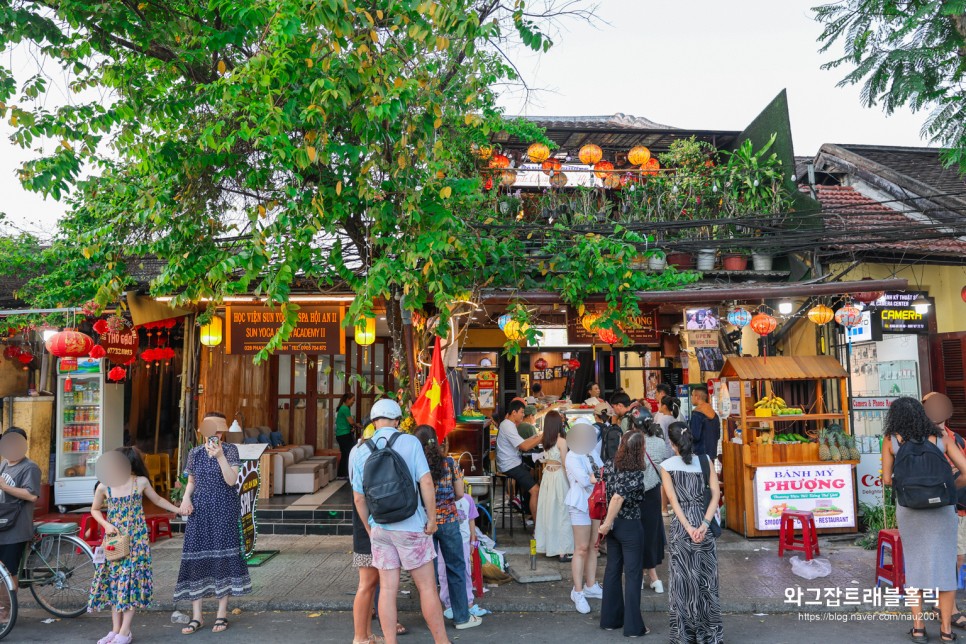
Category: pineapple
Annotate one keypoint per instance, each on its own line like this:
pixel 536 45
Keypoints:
pixel 824 454
pixel 833 448
pixel 853 450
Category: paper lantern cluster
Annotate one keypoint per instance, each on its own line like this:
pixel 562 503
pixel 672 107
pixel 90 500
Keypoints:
pixel 117 374
pixel 157 355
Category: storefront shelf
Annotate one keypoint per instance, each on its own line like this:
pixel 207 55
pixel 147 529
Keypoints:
pixel 789 418
pixel 772 464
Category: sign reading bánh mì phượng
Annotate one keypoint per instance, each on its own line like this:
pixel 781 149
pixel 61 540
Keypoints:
pixel 319 329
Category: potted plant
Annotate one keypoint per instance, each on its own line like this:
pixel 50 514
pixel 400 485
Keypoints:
pixel 734 260
pixel 692 195
pixel 656 260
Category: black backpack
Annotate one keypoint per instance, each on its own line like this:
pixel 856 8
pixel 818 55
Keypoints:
pixel 388 485
pixel 610 440
pixel 922 477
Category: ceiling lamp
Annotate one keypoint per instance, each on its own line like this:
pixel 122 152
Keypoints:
pixel 785 307
pixel 604 169
pixel 500 161
pixel 638 155
pixel 820 314
pixel 590 154
pixel 538 153
pixel 551 166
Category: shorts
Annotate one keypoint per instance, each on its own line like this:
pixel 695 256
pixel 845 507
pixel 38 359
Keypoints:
pixel 578 517
pixel 961 537
pixel 392 549
pixel 523 476
pixel 361 560
pixel 11 554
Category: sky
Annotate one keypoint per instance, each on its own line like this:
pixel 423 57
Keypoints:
pixel 693 64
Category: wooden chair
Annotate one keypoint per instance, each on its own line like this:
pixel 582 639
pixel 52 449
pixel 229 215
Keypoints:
pixel 159 477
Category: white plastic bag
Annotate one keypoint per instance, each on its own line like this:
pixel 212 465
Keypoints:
pixel 811 569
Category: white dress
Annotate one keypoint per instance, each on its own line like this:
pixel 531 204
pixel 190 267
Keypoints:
pixel 552 531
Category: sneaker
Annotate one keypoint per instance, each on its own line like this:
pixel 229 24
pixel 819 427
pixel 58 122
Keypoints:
pixel 517 503
pixel 593 592
pixel 657 586
pixel 529 523
pixel 479 612
pixel 472 622
pixel 580 602
pixel 448 613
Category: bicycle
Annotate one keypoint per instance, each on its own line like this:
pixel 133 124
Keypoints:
pixel 58 566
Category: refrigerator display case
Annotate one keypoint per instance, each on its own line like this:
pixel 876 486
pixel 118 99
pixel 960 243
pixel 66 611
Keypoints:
pixel 90 421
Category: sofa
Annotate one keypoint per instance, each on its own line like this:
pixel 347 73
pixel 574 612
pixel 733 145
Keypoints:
pixel 296 470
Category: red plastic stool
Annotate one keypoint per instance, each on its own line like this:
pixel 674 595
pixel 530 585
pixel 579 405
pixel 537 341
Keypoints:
pixel 158 526
pixel 893 573
pixel 787 540
pixel 91 531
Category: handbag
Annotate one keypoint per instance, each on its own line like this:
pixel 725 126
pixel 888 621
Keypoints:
pixel 598 501
pixel 9 511
pixel 715 527
pixel 117 546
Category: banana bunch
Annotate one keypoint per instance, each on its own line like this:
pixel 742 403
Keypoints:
pixel 774 403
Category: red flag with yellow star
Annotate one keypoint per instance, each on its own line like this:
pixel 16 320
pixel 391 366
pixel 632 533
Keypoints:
pixel 434 407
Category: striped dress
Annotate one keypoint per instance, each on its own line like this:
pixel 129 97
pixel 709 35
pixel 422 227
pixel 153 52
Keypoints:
pixel 694 607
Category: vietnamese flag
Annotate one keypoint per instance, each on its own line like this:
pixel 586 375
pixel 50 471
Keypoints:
pixel 434 407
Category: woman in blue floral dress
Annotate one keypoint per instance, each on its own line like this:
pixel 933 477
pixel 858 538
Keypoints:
pixel 125 585
pixel 211 562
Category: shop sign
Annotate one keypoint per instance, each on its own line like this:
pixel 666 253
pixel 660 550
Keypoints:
pixel 703 339
pixel 641 329
pixel 319 329
pixel 863 332
pixel 894 313
pixel 121 346
pixel 827 491
pixel 871 403
pixel 247 486
pixel 869 480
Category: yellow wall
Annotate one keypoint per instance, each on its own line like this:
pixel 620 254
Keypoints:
pixel 484 339
pixel 944 283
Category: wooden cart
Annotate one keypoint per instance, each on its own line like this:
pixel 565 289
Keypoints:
pixel 741 461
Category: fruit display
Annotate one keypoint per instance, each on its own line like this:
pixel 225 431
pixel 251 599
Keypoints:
pixel 777 406
pixel 835 445
pixel 470 414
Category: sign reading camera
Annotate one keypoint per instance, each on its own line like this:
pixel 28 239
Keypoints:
pixel 895 313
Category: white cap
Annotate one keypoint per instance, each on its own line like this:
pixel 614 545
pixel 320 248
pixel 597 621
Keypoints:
pixel 386 408
pixel 581 420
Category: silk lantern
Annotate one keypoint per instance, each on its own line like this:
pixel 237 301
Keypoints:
pixel 508 177
pixel 589 322
pixel 538 153
pixel 848 316
pixel 867 297
pixel 515 331
pixel 820 314
pixel 502 320
pixel 603 169
pixel 540 364
pixel 651 167
pixel 590 154
pixel 70 343
pixel 962 294
pixel 739 317
pixel 211 333
pixel 551 167
pixel 558 180
pixel 638 155
pixel 365 336
pixel 500 162
pixel 612 182
pixel 483 152
pixel 608 336
pixel 763 324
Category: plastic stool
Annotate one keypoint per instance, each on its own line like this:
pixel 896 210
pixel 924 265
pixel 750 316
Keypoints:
pixel 91 531
pixel 477 568
pixel 893 573
pixel 158 526
pixel 787 540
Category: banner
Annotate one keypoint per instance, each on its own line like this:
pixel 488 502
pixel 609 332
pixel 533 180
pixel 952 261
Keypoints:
pixel 247 485
pixel 250 327
pixel 827 491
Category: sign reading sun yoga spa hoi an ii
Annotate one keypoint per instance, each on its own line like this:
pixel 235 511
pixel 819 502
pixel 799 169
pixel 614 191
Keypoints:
pixel 827 491
pixel 319 329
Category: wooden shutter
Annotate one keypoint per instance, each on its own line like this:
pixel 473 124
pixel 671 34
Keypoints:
pixel 949 374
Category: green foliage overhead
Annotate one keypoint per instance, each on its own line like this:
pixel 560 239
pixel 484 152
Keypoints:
pixel 905 54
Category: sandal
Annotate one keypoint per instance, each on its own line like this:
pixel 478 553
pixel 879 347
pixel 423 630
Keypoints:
pixel 959 620
pixel 948 637
pixel 193 627
pixel 400 629
pixel 223 623
pixel 918 635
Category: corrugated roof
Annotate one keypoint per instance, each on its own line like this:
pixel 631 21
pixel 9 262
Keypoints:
pixel 783 368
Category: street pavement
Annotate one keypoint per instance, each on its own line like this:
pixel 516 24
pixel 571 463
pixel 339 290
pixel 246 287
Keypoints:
pixel 506 628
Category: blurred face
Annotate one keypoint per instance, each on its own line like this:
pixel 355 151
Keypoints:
pixel 13 447
pixel 595 391
pixel 619 409
pixel 581 438
pixel 212 426
pixel 939 408
pixel 113 469
pixel 516 417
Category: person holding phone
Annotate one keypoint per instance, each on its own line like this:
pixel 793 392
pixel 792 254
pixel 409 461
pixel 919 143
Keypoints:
pixel 211 563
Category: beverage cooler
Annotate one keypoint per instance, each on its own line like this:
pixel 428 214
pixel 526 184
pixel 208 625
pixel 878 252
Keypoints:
pixel 90 421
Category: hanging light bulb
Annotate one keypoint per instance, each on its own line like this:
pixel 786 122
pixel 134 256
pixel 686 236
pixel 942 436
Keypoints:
pixel 785 308
pixel 921 305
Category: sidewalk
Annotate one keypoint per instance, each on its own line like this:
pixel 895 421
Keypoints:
pixel 315 573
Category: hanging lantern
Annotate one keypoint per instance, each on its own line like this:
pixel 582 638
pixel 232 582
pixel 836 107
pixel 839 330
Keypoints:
pixel 573 364
pixel 962 294
pixel 607 336
pixel 551 166
pixel 590 154
pixel 515 331
pixel 116 374
pixel 651 167
pixel 540 364
pixel 69 343
pixel 820 314
pixel 538 153
pixel 763 324
pixel 612 182
pixel 98 352
pixel 482 152
pixel 12 352
pixel 25 359
pixel 100 327
pixel 503 320
pixel 211 334
pixel 558 180
pixel 849 316
pixel 500 162
pixel 739 317
pixel 867 297
pixel 487 183
pixel 604 169
pixel 589 322
pixel 508 177
pixel 365 336
pixel 638 155
pixel 627 179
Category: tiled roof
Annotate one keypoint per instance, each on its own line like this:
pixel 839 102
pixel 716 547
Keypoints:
pixel 846 209
pixel 916 168
pixel 613 122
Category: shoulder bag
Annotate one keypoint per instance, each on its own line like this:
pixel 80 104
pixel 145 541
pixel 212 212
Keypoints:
pixel 598 500
pixel 715 527
pixel 117 546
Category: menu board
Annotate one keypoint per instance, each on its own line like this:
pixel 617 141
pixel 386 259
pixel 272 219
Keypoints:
pixel 827 491
pixel 319 329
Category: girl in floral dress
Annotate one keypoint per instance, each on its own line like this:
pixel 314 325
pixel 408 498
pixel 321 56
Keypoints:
pixel 125 585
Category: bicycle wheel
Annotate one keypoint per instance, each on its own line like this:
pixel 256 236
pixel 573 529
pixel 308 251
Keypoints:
pixel 8 603
pixel 61 570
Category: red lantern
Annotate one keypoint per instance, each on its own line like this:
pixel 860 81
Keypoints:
pixel 70 343
pixel 962 294
pixel 116 374
pixel 551 166
pixel 651 167
pixel 500 161
pixel 25 358
pixel 540 364
pixel 149 355
pixel 488 183
pixel 100 327
pixel 763 324
pixel 867 297
pixel 574 364
pixel 12 352
pixel 607 336
pixel 98 352
pixel 603 169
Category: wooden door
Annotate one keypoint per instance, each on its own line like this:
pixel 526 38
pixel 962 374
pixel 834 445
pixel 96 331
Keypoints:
pixel 949 374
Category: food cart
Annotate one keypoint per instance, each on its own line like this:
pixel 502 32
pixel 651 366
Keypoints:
pixel 763 476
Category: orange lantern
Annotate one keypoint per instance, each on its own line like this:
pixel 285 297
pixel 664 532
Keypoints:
pixel 508 177
pixel 551 166
pixel 558 180
pixel 500 161
pixel 763 324
pixel 820 314
pixel 590 154
pixel 613 182
pixel 603 169
pixel 651 166
pixel 70 343
pixel 538 153
pixel 483 152
pixel 588 321
pixel 628 178
pixel 607 336
pixel 638 155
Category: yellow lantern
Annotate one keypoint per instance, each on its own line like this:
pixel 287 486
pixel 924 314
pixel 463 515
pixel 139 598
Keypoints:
pixel 820 314
pixel 590 154
pixel 211 333
pixel 589 322
pixel 515 331
pixel 613 182
pixel 538 153
pixel 638 155
pixel 366 331
pixel 558 180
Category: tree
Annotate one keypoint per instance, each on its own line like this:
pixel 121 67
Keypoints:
pixel 909 54
pixel 253 144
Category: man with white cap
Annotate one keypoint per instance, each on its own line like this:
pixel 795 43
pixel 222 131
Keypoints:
pixel 408 543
